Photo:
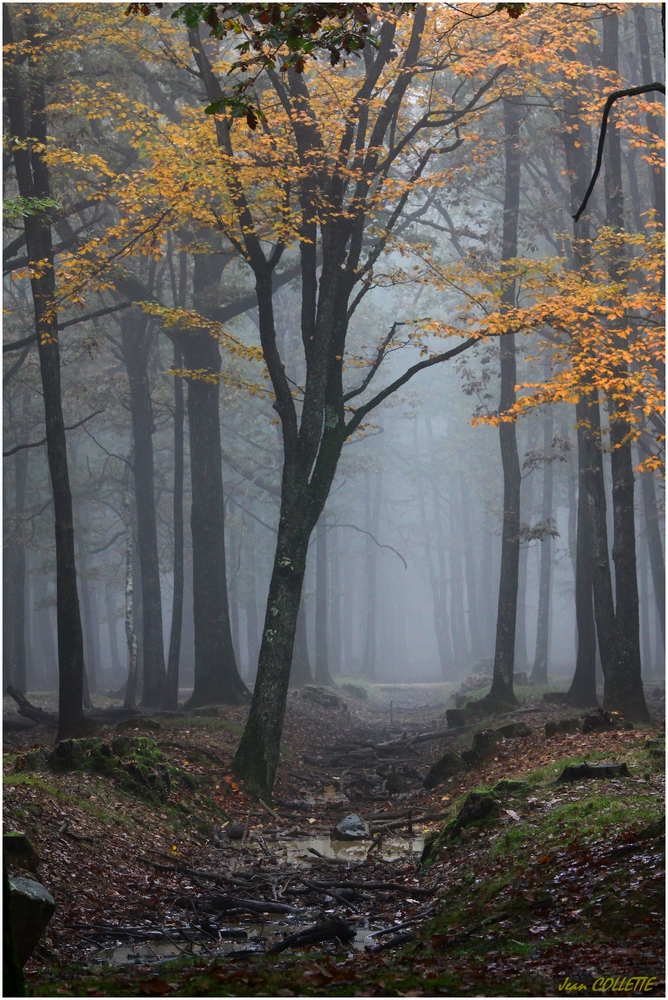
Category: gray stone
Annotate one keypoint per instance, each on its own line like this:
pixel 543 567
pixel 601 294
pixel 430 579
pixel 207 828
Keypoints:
pixel 352 827
pixel 32 908
pixel 321 696
pixel 514 730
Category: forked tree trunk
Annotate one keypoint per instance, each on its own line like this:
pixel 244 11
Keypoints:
pixel 504 653
pixel 33 181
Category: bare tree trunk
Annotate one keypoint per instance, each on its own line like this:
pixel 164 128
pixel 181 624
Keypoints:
pixel 334 648
pixel 300 674
pixel 174 658
pixel 322 674
pixel 137 337
pixel 654 546
pixel 504 655
pixel 470 568
pixel 112 619
pixel 252 622
pixel 133 671
pixel 14 585
pixel 539 673
pixel 33 179
pixel 657 174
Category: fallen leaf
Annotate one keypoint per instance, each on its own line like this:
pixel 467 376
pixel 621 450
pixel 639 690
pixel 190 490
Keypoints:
pixel 154 987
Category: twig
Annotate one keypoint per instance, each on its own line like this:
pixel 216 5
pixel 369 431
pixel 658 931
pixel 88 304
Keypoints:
pixel 272 812
pixel 245 833
pixel 38 444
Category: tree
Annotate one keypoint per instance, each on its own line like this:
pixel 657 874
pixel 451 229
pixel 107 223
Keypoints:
pixel 27 118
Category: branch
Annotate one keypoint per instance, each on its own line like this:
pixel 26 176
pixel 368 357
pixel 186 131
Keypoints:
pixel 38 444
pixel 629 92
pixel 11 372
pixel 375 366
pixel 16 345
pixel 379 544
pixel 103 548
pixel 250 476
pixel 361 413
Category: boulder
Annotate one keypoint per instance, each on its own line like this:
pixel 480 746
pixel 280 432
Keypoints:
pixel 351 827
pixel 17 849
pixel 447 765
pixel 322 697
pixel 32 908
pixel 355 691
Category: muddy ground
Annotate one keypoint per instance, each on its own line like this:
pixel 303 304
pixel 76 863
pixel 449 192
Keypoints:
pixel 550 881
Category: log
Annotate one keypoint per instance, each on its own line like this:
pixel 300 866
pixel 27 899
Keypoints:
pixel 31 711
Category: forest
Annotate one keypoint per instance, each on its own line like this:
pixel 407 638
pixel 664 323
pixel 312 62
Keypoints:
pixel 333 560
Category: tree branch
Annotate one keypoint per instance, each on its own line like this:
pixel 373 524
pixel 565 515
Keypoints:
pixel 38 444
pixel 615 96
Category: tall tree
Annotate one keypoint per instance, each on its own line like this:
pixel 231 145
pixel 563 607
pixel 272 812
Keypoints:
pixel 504 654
pixel 539 672
pixel 29 144
pixel 322 674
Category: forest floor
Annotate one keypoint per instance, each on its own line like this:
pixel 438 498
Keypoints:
pixel 557 888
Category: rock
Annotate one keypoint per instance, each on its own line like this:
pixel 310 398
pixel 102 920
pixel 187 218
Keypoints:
pixel 483 746
pixel 355 691
pixel 234 830
pixel 352 827
pixel 515 730
pixel 32 908
pixel 447 765
pixel 509 787
pixel 323 697
pixel 575 772
pixel 17 849
pixel 34 760
pixel 564 726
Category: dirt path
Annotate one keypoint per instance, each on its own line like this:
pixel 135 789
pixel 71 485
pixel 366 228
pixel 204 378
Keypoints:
pixel 551 883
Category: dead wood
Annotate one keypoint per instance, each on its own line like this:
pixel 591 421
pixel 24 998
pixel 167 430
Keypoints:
pixel 31 711
pixel 328 930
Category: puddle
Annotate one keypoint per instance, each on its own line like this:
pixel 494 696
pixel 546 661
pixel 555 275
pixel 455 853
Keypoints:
pixel 260 937
pixel 298 852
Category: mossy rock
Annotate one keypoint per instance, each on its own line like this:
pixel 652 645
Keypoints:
pixel 73 755
pixel 479 808
pixel 482 748
pixel 508 788
pixel 17 848
pixel 34 760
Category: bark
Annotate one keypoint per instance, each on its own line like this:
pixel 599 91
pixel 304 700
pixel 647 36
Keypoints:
pixel 504 654
pixel 300 673
pixel 131 638
pixel 655 548
pixel 216 675
pixel 33 181
pixel 90 664
pixel 657 174
pixel 173 661
pixel 576 138
pixel 334 647
pixel 252 625
pixel 539 673
pixel 623 681
pixel 322 674
pixel 137 340
pixel 112 619
pixel 14 586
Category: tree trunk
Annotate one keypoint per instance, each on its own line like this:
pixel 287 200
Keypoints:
pixel 33 181
pixel 623 684
pixel 14 585
pixel 470 568
pixel 504 654
pixel 216 676
pixel 657 174
pixel 334 647
pixel 252 625
pixel 131 638
pixel 136 333
pixel 539 672
pixel 112 619
pixel 300 674
pixel 87 623
pixel 654 546
pixel 322 674
pixel 172 692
